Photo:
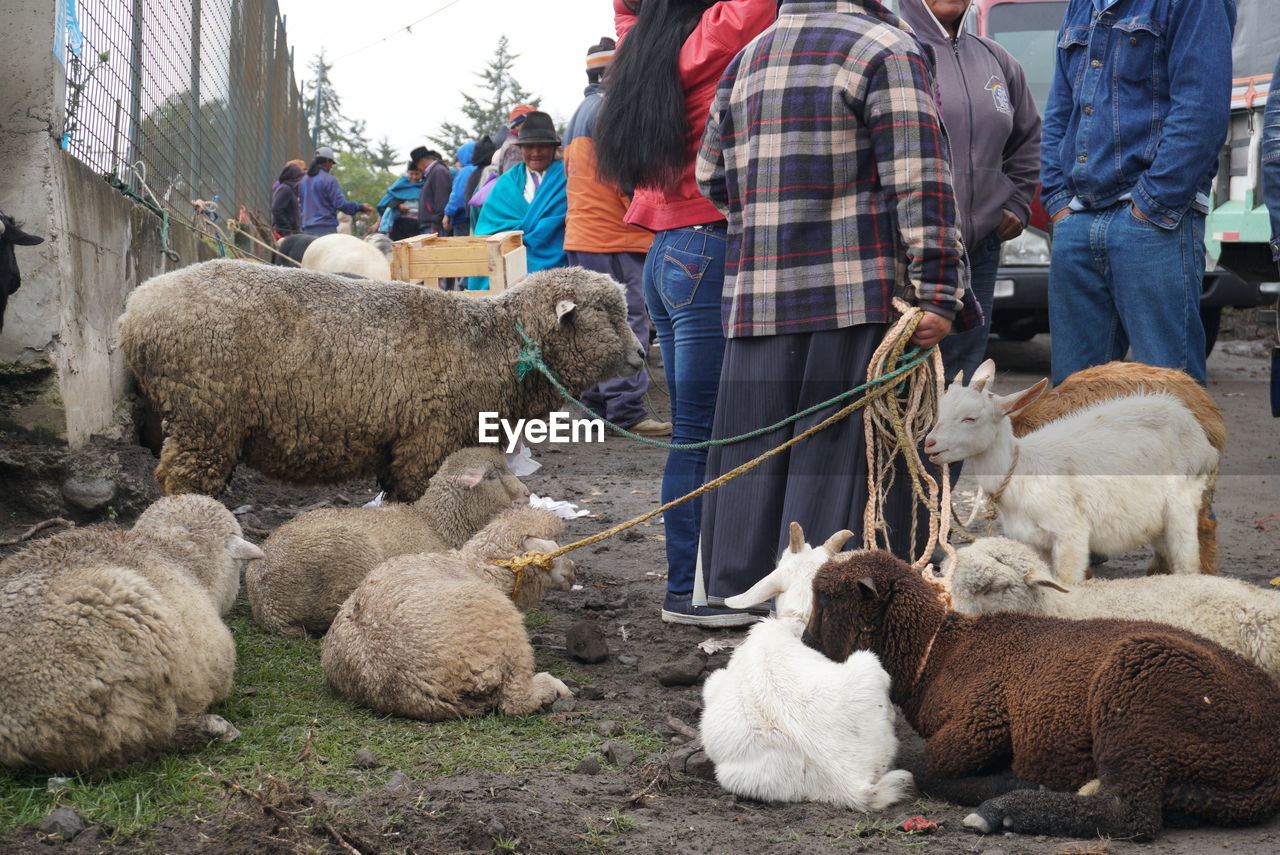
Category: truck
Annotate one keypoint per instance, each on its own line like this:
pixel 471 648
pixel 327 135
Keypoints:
pixel 1239 271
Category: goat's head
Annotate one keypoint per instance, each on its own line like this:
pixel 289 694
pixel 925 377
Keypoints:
pixel 969 417
pixel 791 581
pixel 997 574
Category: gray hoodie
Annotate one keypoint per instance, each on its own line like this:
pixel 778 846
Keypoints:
pixel 991 122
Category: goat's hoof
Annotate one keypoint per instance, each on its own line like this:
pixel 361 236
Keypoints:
pixel 217 727
pixel 988 823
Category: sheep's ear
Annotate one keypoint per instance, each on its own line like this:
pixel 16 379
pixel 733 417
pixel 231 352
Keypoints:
pixel 1009 404
pixel 985 374
pixel 469 478
pixel 869 584
pixel 797 538
pixel 238 547
pixel 539 544
pixel 1040 576
pixel 563 308
pixel 837 540
pixel 760 592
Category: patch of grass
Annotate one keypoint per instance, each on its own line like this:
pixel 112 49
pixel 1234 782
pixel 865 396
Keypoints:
pixel 280 696
pixel 538 619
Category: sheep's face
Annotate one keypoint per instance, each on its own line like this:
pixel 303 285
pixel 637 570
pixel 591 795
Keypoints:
pixel 562 574
pixel 970 417
pixel 853 596
pixel 986 581
pixel 477 479
pixel 791 581
pixel 579 318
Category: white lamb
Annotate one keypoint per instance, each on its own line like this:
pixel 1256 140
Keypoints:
pixel 996 574
pixel 784 723
pixel 1118 475
pixel 339 253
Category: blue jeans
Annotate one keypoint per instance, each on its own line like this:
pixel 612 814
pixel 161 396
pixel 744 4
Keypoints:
pixel 321 230
pixel 964 351
pixel 1271 163
pixel 1117 282
pixel 621 400
pixel 683 278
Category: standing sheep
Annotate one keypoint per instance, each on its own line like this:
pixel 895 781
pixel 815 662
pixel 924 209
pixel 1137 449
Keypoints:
pixel 347 254
pixel 1114 476
pixel 996 574
pixel 312 378
pixel 314 561
pixel 113 640
pixel 1121 379
pixel 1170 726
pixel 783 722
pixel 440 636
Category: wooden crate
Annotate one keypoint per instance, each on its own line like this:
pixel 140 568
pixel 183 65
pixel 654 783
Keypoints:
pixel 426 259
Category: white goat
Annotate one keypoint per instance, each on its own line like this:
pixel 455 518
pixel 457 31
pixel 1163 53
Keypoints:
pixel 1108 478
pixel 783 722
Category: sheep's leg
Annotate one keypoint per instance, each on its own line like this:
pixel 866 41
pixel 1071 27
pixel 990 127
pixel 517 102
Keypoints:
pixel 1129 811
pixel 975 789
pixel 540 690
pixel 1160 560
pixel 196 731
pixel 961 749
pixel 1071 559
pixel 1182 539
pixel 195 465
pixel 412 463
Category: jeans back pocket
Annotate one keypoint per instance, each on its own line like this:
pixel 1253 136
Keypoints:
pixel 680 275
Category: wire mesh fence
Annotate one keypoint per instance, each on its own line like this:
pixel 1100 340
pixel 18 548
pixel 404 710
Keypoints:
pixel 200 93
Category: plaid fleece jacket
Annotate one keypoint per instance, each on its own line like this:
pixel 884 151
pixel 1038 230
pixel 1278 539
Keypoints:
pixel 824 151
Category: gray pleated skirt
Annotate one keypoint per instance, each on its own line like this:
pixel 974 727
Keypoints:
pixel 821 482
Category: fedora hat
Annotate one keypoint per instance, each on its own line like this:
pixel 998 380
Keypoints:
pixel 538 129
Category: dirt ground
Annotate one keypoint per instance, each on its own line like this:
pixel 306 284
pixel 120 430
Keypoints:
pixel 644 807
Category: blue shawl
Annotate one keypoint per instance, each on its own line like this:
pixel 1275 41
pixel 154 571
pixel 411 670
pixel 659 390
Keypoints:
pixel 403 190
pixel 541 220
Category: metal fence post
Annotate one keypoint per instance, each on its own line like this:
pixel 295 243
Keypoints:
pixel 135 91
pixel 196 130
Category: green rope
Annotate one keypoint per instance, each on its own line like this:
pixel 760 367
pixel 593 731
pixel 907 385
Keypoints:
pixel 123 190
pixel 530 359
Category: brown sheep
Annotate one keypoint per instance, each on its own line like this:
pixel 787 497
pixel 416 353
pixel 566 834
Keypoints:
pixel 1118 379
pixel 1165 721
pixel 438 636
pixel 113 641
pixel 314 561
pixel 313 379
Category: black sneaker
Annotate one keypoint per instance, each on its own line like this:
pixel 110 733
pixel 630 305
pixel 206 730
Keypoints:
pixel 679 608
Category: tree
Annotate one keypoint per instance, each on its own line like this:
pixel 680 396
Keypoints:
pixel 386 157
pixel 487 114
pixel 323 107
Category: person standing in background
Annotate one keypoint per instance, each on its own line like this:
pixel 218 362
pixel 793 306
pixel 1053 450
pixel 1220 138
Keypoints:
pixel 322 197
pixel 670 55
pixel 286 209
pixel 595 237
pixel 1137 111
pixel 994 130
pixel 456 217
pixel 436 186
pixel 1271 161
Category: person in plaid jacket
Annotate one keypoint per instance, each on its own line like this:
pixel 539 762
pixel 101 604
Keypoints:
pixel 825 152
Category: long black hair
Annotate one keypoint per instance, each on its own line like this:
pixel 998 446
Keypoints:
pixel 314 169
pixel 641 135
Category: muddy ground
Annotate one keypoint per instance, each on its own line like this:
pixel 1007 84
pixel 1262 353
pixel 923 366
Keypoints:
pixel 644 806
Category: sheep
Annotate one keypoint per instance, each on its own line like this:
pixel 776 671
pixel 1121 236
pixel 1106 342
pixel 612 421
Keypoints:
pixel 440 635
pixel 1155 720
pixel 113 640
pixel 348 254
pixel 380 242
pixel 996 574
pixel 11 235
pixel 314 561
pixel 1119 379
pixel 1108 478
pixel 291 248
pixel 312 379
pixel 784 723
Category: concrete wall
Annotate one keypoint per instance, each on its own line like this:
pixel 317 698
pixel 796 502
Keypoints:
pixel 61 374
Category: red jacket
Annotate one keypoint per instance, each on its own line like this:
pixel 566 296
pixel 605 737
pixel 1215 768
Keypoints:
pixel 725 29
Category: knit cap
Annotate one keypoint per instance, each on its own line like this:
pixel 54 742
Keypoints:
pixel 600 55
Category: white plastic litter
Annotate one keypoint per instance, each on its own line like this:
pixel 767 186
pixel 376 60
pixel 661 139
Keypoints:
pixel 521 461
pixel 375 501
pixel 564 510
pixel 715 645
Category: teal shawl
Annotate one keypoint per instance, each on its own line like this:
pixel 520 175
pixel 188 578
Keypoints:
pixel 541 220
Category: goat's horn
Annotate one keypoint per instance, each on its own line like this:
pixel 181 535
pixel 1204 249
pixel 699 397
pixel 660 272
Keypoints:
pixel 837 540
pixel 797 537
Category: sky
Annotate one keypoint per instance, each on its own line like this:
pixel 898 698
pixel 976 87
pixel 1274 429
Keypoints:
pixel 406 86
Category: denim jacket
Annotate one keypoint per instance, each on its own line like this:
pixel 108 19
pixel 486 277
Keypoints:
pixel 1138 105
pixel 1271 160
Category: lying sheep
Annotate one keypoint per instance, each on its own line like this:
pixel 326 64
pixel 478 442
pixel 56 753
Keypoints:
pixel 113 640
pixel 311 378
pixel 440 635
pixel 1111 477
pixel 996 574
pixel 314 561
pixel 783 723
pixel 1165 721
pixel 1120 379
pixel 291 248
pixel 339 253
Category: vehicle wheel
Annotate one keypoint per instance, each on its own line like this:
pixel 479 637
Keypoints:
pixel 1211 318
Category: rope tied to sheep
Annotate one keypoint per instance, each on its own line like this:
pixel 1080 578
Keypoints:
pixel 912 371
pixel 529 359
